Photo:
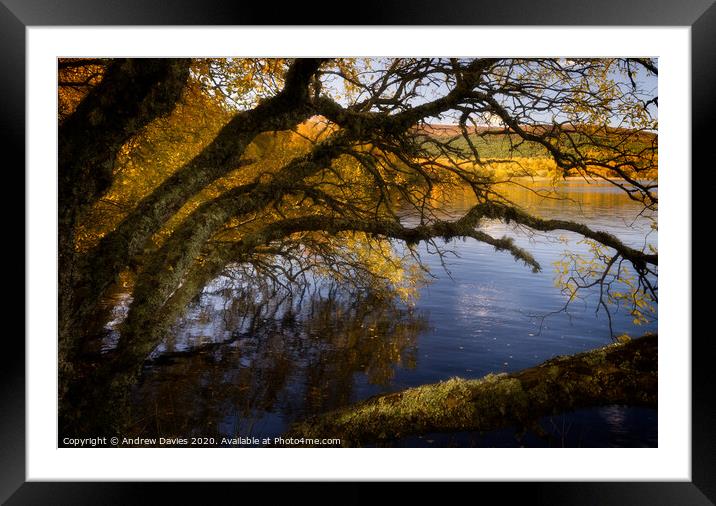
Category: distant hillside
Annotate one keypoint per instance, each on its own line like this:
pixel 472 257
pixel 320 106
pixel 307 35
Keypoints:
pixel 499 142
pixel 442 129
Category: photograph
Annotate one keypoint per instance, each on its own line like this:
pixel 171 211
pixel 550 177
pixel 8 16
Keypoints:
pixel 433 252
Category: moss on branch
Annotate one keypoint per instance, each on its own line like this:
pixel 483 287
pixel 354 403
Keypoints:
pixel 622 373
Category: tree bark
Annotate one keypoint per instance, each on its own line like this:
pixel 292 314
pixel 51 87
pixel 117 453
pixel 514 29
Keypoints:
pixel 282 112
pixel 624 373
pixel 131 95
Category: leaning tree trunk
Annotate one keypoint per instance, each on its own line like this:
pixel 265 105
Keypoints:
pixel 131 95
pixel 616 374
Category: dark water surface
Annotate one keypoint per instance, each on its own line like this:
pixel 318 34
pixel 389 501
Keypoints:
pixel 485 316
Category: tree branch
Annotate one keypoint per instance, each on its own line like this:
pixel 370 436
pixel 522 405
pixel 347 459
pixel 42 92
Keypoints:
pixel 281 112
pixel 508 214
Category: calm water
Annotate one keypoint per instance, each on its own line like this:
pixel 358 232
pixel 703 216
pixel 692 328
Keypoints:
pixel 486 314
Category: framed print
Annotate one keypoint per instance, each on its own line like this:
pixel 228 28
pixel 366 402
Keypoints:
pixel 404 246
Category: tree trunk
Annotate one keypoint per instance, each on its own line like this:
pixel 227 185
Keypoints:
pixel 129 97
pixel 224 154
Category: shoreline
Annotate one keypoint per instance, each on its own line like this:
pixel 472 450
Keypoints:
pixel 620 373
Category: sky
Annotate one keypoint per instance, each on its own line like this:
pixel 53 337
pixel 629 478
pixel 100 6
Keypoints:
pixel 647 82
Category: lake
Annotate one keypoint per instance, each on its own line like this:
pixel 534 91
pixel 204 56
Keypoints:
pixel 483 312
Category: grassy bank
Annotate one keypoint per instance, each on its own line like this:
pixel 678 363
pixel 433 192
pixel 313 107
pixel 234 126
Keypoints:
pixel 621 373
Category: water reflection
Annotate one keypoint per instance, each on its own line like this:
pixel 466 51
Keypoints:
pixel 611 426
pixel 234 368
pixel 257 381
pixel 599 205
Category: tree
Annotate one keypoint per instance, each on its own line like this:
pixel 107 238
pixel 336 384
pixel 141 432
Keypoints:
pixel 172 171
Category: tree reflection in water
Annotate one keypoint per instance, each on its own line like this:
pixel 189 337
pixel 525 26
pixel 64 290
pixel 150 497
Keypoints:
pixel 235 367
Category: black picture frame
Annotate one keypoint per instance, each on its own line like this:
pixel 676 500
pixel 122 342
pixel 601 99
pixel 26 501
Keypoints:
pixel 700 15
